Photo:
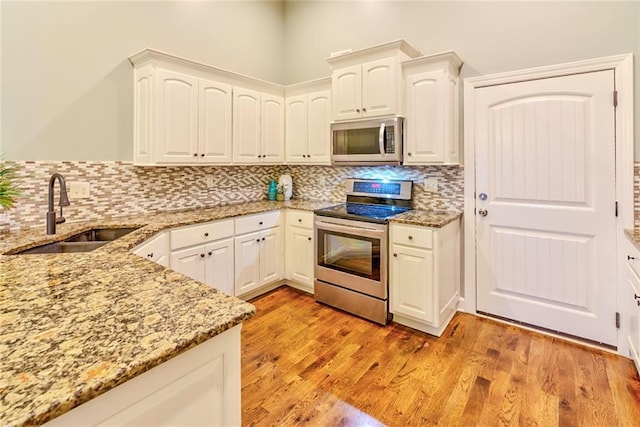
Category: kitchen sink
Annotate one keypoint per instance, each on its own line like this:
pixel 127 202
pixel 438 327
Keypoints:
pixel 86 241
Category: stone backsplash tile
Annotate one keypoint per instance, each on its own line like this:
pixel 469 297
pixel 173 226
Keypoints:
pixel 119 188
pixel 636 195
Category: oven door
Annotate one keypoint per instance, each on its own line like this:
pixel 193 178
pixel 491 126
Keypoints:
pixel 352 255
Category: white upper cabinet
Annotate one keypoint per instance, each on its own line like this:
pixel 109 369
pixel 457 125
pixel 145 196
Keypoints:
pixel 431 107
pixel 367 82
pixel 308 120
pixel 258 127
pixel 191 113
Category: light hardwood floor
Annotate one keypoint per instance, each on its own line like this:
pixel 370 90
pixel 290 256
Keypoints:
pixel 307 364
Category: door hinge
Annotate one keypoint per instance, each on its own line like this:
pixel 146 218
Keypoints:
pixel 615 98
pixel 617 320
pixel 616 208
pixel 474 211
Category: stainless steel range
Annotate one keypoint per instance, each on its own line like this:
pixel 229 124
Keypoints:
pixel 351 247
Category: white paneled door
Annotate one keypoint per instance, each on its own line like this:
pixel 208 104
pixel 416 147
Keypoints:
pixel 545 200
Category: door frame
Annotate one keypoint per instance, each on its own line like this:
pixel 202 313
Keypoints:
pixel 622 65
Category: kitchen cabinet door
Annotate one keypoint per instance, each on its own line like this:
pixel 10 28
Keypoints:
pixel 155 249
pixel 219 265
pixel 296 129
pixel 412 290
pixel 246 126
pixel 379 88
pixel 190 262
pixel 346 85
pixel 271 129
pixel 214 122
pixel 271 256
pixel 177 116
pixel 247 262
pixel 319 127
pixel 300 261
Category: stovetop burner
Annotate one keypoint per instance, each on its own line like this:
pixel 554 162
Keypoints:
pixel 372 200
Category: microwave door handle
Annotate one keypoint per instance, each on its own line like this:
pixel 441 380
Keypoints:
pixel 381 138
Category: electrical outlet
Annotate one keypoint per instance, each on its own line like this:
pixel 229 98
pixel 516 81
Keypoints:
pixel 208 179
pixel 431 184
pixel 79 190
pixel 322 182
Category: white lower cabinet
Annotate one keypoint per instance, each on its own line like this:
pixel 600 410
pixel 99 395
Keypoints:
pixel 155 249
pixel 632 303
pixel 259 252
pixel 198 387
pixel 300 249
pixel 204 252
pixel 424 275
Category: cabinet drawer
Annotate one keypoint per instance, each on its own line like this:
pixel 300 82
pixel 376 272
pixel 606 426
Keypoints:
pixel 251 223
pixel 419 237
pixel 201 233
pixel 300 219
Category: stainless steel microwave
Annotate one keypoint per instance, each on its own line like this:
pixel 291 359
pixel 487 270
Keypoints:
pixel 367 142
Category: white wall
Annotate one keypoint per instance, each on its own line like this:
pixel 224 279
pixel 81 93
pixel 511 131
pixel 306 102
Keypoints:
pixel 67 91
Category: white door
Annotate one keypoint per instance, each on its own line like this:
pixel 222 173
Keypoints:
pixel 247 265
pixel 189 262
pixel 272 129
pixel 318 125
pixel 177 120
pixel 219 269
pixel 346 88
pixel 379 88
pixel 296 131
pixel 300 250
pixel 546 244
pixel 271 256
pixel 246 126
pixel 214 122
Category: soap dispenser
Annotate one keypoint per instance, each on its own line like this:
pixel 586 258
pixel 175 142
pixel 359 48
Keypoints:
pixel 273 190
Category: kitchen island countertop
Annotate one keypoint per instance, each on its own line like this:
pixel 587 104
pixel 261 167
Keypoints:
pixel 74 326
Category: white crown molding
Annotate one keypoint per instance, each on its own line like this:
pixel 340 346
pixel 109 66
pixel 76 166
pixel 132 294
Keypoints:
pixel 400 44
pixel 449 56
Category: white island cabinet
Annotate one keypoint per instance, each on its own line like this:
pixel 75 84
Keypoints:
pixel 424 275
pixel 196 388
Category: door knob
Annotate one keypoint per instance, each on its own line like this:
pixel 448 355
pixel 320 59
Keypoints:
pixel 483 212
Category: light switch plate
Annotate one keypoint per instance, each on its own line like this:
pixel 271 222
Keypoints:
pixel 431 184
pixel 79 190
pixel 208 179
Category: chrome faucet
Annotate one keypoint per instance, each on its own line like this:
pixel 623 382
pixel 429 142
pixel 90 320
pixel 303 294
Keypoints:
pixel 64 201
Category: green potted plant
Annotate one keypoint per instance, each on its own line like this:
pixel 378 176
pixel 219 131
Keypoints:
pixel 9 190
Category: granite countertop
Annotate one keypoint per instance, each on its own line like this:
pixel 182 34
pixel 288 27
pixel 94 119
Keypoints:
pixel 76 325
pixel 426 218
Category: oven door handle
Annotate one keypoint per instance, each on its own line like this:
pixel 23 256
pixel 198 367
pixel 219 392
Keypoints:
pixel 350 229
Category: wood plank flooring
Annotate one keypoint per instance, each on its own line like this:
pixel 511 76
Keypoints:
pixel 307 364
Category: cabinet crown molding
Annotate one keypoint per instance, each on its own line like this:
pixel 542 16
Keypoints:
pixel 396 45
pixel 153 55
pixel 449 56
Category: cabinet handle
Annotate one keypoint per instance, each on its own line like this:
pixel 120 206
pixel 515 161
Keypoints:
pixel 410 237
pixel 150 255
pixel 195 154
pixel 309 156
pixel 210 253
pixel 629 257
pixel 206 234
pixel 258 240
pixel 304 156
pixel 357 110
pixel 309 238
pixel 202 155
pixel 260 223
pixel 364 110
pixel 299 219
pixel 263 239
pixel 409 154
pixel 201 255
pixel 636 296
pixel 638 302
pixel 395 255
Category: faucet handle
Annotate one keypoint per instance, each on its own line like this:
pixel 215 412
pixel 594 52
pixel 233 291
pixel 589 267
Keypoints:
pixel 60 220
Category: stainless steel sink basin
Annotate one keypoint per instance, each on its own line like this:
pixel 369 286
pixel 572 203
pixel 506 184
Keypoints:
pixel 86 241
